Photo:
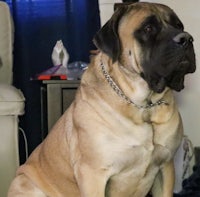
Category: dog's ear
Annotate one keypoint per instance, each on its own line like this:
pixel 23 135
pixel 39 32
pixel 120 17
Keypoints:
pixel 107 38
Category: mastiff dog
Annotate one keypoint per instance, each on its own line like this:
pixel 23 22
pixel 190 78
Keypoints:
pixel 119 136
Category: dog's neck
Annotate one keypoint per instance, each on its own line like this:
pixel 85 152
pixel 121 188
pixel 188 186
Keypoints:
pixel 136 87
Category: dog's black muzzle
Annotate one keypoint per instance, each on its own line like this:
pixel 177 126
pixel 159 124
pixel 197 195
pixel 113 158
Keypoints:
pixel 184 44
pixel 172 59
pixel 186 60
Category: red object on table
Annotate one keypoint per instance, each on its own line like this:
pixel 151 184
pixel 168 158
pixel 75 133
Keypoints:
pixel 55 72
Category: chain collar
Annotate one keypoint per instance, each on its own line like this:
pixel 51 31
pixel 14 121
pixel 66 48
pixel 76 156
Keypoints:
pixel 120 93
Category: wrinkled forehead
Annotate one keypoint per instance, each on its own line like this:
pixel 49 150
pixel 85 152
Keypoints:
pixel 137 13
pixel 163 13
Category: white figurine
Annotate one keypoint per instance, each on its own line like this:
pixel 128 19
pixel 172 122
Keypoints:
pixel 59 55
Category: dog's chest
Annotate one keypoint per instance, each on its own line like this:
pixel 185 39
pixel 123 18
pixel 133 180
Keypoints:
pixel 131 142
pixel 135 171
pixel 135 159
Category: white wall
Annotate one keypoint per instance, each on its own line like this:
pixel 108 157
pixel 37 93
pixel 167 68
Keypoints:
pixel 106 9
pixel 189 98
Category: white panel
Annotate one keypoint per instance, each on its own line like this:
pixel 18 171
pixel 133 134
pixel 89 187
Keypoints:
pixel 106 9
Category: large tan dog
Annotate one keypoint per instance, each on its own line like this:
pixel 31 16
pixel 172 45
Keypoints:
pixel 119 136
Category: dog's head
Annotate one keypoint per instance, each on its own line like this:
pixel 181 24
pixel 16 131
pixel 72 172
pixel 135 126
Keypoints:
pixel 149 39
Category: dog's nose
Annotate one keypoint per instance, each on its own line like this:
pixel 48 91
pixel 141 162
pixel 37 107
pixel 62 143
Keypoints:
pixel 183 39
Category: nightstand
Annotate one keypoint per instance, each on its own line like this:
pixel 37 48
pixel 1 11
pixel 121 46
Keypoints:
pixel 56 97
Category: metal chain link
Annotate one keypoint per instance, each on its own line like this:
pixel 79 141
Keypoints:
pixel 119 92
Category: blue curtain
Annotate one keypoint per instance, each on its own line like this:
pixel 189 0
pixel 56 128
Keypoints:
pixel 38 25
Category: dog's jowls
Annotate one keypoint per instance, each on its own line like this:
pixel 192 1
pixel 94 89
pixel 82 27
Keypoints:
pixel 119 136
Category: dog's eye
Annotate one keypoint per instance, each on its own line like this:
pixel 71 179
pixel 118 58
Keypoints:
pixel 148 28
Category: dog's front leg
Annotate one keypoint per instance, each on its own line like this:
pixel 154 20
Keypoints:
pixel 91 182
pixel 164 182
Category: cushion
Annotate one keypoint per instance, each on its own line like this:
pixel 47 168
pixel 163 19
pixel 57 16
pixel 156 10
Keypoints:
pixel 11 100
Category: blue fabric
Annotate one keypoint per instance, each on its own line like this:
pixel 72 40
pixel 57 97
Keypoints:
pixel 38 25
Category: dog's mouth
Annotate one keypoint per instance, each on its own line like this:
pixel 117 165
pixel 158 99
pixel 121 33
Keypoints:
pixel 185 66
pixel 189 64
pixel 174 79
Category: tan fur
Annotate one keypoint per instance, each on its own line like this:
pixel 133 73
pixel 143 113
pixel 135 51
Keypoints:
pixel 103 146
